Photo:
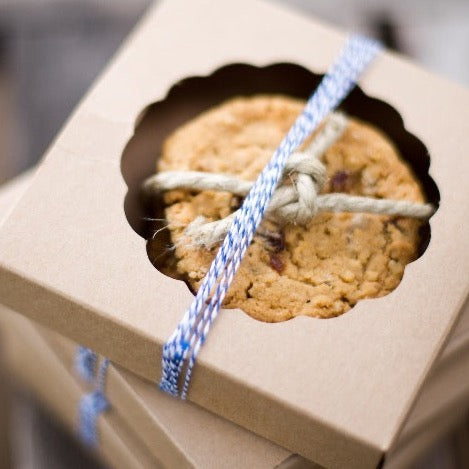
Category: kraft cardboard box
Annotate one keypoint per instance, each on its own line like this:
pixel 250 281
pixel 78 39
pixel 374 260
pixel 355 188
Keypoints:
pixel 38 369
pixel 176 434
pixel 71 259
pixel 437 411
pixel 26 348
pixel 183 435
pixel 180 435
pixel 157 418
pixel 438 407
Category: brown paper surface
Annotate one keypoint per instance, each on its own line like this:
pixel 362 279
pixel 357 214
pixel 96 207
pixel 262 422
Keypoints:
pixel 37 368
pixel 70 260
pixel 444 390
pixel 177 434
pixel 150 413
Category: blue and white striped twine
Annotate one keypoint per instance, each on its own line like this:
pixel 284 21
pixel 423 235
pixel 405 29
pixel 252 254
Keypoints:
pixel 194 327
pixel 85 363
pixel 94 403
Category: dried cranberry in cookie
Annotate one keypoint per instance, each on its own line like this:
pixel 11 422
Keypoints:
pixel 319 270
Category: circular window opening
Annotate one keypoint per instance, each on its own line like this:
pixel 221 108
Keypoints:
pixel 321 270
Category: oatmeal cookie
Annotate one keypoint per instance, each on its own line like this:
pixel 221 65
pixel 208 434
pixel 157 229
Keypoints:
pixel 319 270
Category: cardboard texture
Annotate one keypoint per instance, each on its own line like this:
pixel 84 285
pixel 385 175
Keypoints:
pixel 26 348
pixel 445 389
pixel 85 273
pixel 176 434
pixel 37 368
pixel 180 435
pixel 183 435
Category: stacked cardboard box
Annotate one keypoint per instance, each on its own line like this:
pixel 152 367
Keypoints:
pixel 380 388
pixel 146 428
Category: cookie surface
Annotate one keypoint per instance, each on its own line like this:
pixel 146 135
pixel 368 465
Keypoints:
pixel 320 270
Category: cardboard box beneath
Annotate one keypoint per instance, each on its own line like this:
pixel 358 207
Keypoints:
pixel 444 392
pixel 181 435
pixel 437 409
pixel 71 261
pixel 36 366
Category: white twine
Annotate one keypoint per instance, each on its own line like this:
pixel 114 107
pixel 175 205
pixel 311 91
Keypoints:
pixel 295 203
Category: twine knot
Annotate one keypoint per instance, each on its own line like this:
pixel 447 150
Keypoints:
pixel 296 200
pixel 196 322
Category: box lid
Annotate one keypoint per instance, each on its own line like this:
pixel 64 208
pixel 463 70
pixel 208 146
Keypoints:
pixel 171 430
pixel 70 260
pixel 179 434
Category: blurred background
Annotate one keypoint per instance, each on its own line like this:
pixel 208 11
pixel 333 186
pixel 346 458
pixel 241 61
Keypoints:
pixel 52 50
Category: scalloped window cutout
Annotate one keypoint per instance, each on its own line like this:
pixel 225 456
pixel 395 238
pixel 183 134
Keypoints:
pixel 286 273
